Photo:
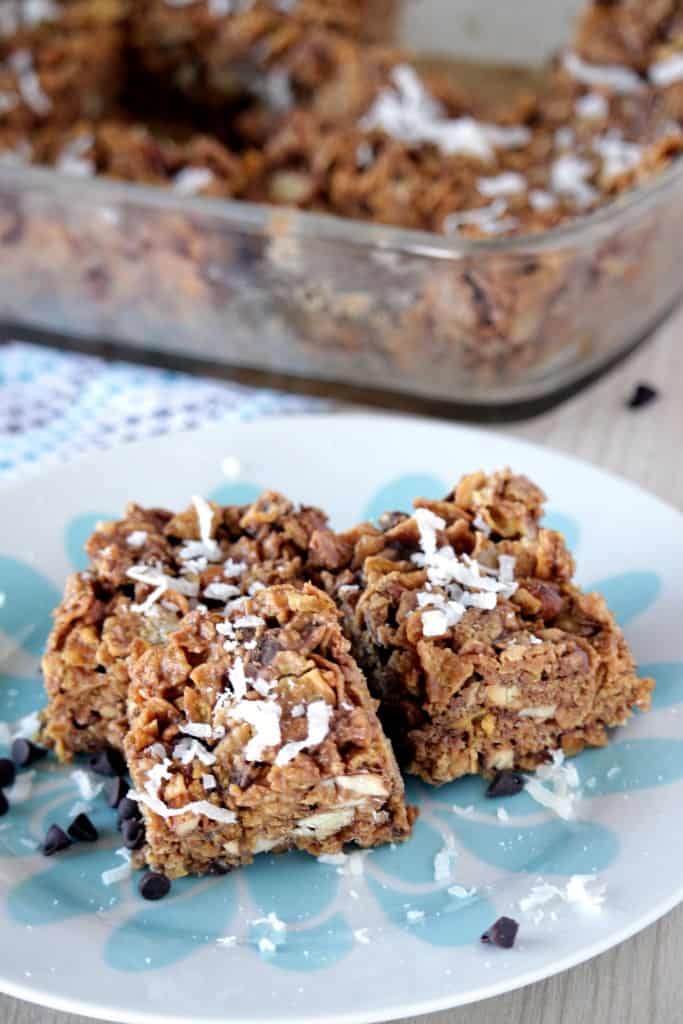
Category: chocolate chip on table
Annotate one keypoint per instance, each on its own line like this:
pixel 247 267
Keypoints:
pixel 133 834
pixel 128 810
pixel 108 762
pixel 4 804
pixel 506 784
pixel 56 840
pixel 115 791
pixel 502 932
pixel 8 772
pixel 642 395
pixel 83 830
pixel 154 886
pixel 25 753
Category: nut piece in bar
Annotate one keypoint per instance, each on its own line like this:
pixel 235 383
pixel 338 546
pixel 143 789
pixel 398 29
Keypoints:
pixel 254 731
pixel 484 654
pixel 147 571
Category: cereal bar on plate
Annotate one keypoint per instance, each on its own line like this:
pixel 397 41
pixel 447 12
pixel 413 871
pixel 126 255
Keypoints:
pixel 483 652
pixel 255 731
pixel 147 571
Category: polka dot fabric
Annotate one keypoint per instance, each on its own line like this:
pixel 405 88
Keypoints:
pixel 57 405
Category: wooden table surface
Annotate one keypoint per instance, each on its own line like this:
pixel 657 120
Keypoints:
pixel 639 982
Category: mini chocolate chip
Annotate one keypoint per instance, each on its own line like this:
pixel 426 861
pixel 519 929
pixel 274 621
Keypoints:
pixel 128 809
pixel 25 753
pixel 216 868
pixel 133 834
pixel 502 933
pixel 154 886
pixel 56 840
pixel 115 791
pixel 642 395
pixel 108 762
pixel 8 772
pixel 4 804
pixel 506 784
pixel 82 829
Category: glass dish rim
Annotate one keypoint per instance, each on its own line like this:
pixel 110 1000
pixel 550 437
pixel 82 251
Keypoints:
pixel 249 216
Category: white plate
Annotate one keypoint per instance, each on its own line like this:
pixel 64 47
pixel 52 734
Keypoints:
pixel 352 951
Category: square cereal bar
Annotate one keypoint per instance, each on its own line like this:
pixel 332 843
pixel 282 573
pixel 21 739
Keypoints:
pixel 147 571
pixel 482 651
pixel 255 731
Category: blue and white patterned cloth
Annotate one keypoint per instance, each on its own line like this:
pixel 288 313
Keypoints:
pixel 57 405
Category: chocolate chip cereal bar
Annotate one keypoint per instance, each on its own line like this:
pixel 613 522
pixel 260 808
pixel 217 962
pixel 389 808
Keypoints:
pixel 483 653
pixel 255 732
pixel 148 570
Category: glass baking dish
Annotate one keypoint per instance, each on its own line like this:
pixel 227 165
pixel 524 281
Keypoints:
pixel 478 323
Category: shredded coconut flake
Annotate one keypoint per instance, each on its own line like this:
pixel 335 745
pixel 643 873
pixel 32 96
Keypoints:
pixel 264 718
pixel 563 778
pixel 88 787
pixel 569 174
pixel 249 622
pixel 192 180
pixel 488 218
pixel 232 569
pixel 120 873
pixel 616 77
pixel 592 107
pixel 541 200
pixel 238 680
pixel 481 525
pixel 136 539
pixel 414 915
pixel 460 892
pixel 221 591
pixel 502 814
pixel 581 890
pixel 26 727
pixel 507 184
pixel 72 159
pixel 21 63
pixel 206 546
pixel 318 715
pixel 406 111
pixel 273 921
pixel 200 730
pixel 462 581
pixel 667 71
pixel 618 156
pixel 442 862
pixel 361 935
pixel 188 750
pixel 160 583
pixel 21 789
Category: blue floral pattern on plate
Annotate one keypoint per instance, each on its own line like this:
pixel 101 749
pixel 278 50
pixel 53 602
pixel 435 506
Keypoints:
pixel 312 898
